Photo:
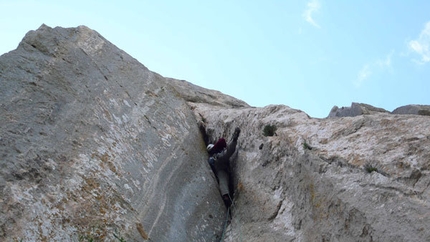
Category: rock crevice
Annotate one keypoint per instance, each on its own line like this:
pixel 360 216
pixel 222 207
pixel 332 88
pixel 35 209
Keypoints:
pixel 93 145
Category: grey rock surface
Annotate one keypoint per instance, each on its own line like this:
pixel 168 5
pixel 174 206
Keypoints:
pixel 363 178
pixel 196 94
pixel 413 109
pixel 94 145
pixel 356 109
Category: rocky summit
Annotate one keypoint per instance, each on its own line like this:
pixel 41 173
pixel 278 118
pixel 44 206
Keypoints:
pixel 96 147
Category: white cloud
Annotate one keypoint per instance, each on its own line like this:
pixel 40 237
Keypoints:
pixel 363 74
pixel 421 46
pixel 386 63
pixel 368 69
pixel 312 7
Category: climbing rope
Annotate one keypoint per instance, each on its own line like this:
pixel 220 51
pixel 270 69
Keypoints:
pixel 226 220
pixel 225 225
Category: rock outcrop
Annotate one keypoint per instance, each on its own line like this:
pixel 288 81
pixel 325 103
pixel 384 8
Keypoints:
pixel 195 94
pixel 363 178
pixel 413 109
pixel 94 145
pixel 356 109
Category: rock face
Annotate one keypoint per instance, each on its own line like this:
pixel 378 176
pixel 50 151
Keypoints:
pixel 363 178
pixel 195 94
pixel 356 109
pixel 413 109
pixel 94 145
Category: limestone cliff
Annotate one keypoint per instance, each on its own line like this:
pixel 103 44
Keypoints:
pixel 95 146
pixel 363 178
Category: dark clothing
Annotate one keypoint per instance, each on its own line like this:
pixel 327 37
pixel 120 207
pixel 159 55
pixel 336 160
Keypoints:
pixel 218 147
pixel 220 163
pixel 222 166
pixel 222 159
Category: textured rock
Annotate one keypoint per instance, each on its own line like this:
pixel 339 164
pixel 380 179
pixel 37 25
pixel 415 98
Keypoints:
pixel 94 145
pixel 356 109
pixel 196 94
pixel 309 181
pixel 413 109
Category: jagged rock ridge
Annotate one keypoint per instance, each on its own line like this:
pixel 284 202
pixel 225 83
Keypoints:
pixel 357 109
pixel 105 146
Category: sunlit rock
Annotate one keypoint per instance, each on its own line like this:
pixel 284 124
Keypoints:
pixel 95 146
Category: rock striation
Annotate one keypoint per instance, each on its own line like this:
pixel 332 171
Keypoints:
pixel 363 178
pixel 95 146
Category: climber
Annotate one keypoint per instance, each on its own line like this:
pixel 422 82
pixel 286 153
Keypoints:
pixel 220 154
pixel 219 146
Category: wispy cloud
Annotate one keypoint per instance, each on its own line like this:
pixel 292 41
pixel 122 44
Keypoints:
pixel 368 69
pixel 421 46
pixel 311 7
pixel 363 74
pixel 385 63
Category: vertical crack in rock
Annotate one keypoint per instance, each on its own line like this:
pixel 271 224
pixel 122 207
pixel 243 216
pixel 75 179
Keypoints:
pixel 94 145
pixel 92 142
pixel 286 193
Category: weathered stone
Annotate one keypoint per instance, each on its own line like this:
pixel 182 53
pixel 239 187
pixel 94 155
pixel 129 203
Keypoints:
pixel 94 145
pixel 196 94
pixel 413 109
pixel 289 191
pixel 356 109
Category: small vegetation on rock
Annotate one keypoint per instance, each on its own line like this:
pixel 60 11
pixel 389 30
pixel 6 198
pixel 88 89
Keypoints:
pixel 369 168
pixel 119 237
pixel 306 146
pixel 269 130
pixel 424 112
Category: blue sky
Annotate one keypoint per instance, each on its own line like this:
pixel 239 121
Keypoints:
pixel 309 55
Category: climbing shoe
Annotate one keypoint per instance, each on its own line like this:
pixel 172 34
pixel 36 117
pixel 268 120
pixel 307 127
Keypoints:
pixel 236 133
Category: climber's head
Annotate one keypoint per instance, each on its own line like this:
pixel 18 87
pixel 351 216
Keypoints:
pixel 209 148
pixel 219 146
